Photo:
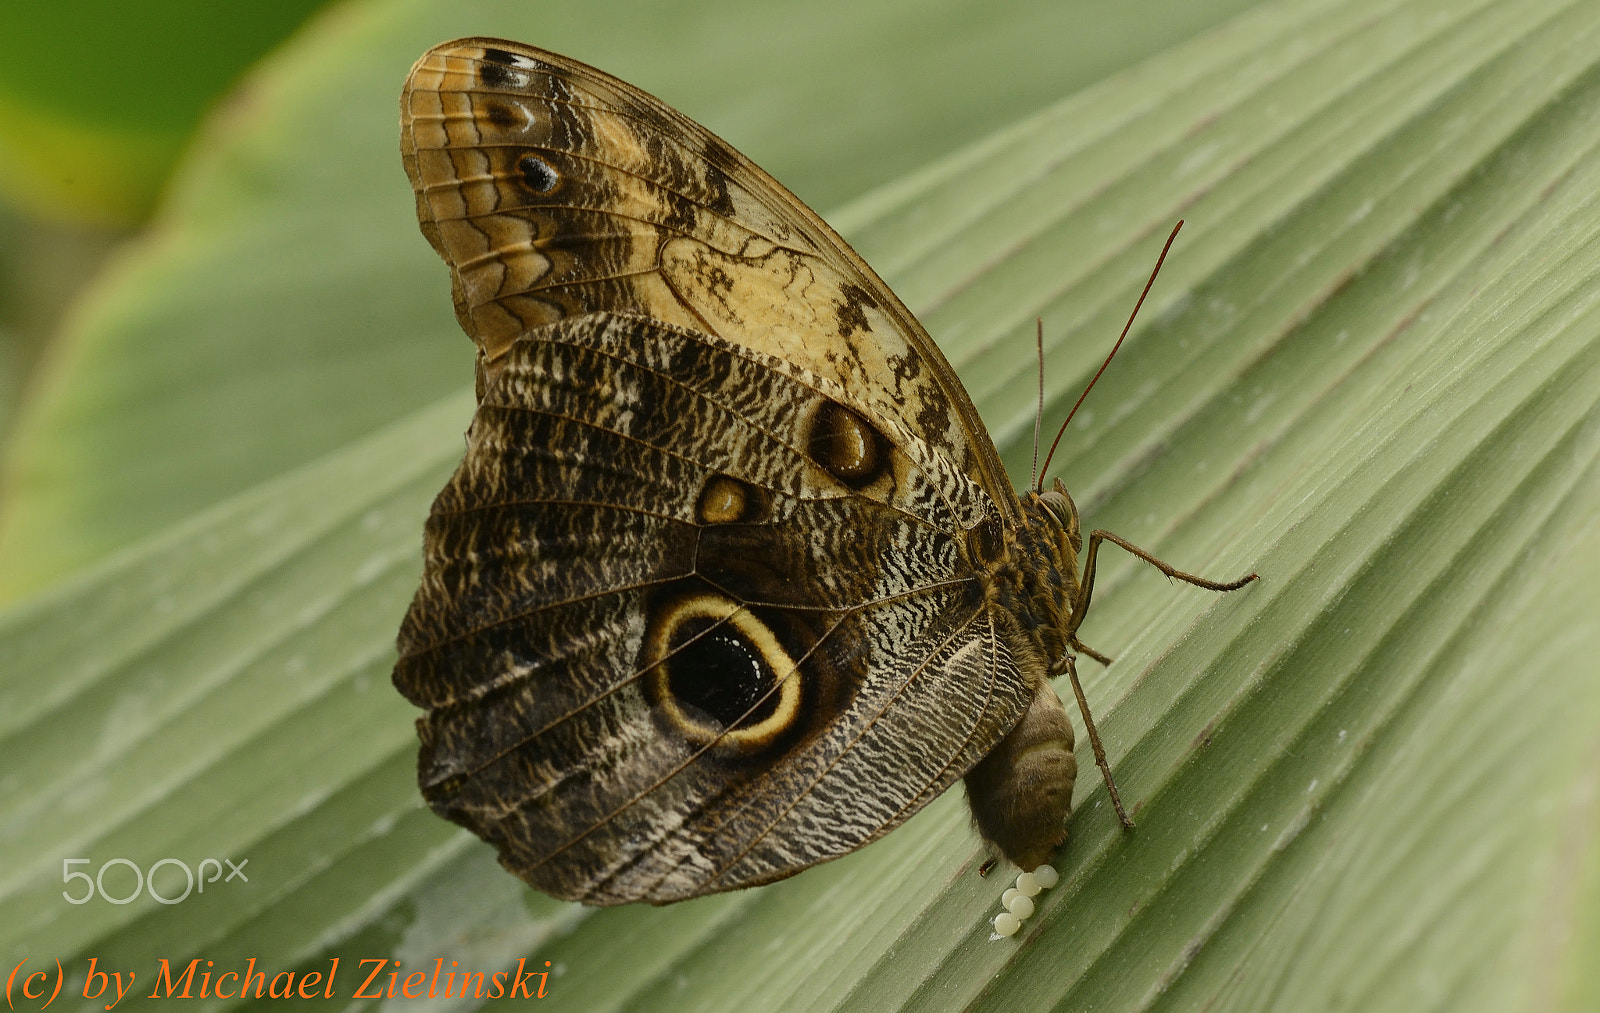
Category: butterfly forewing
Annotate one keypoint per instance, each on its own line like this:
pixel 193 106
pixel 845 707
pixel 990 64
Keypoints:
pixel 554 190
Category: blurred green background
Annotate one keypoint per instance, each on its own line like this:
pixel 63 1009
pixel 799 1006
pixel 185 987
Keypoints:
pixel 98 100
pixel 107 107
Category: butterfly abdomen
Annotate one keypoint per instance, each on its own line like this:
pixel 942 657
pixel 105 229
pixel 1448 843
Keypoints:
pixel 1021 793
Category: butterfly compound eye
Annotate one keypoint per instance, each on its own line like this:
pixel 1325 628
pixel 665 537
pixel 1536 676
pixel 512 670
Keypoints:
pixel 1059 503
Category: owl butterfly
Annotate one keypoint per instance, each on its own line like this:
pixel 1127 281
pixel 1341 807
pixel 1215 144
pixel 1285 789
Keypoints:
pixel 730 581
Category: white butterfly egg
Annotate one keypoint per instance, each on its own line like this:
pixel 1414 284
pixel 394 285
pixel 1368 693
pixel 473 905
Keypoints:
pixel 1006 924
pixel 1020 906
pixel 1046 876
pixel 1028 885
pixel 1005 898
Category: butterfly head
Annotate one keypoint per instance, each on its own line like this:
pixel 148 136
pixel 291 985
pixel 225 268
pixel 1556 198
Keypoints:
pixel 1059 506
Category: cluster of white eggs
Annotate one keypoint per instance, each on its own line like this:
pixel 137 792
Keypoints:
pixel 1018 900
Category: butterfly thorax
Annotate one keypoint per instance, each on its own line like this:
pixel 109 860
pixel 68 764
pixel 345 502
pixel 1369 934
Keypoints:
pixel 1038 579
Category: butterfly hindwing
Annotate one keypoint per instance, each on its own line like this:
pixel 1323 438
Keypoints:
pixel 673 638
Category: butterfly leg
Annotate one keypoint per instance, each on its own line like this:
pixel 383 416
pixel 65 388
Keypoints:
pixel 1094 742
pixel 1081 606
pixel 1099 535
pixel 1083 648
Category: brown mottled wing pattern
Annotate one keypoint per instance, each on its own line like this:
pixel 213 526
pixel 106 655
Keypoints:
pixel 577 517
pixel 705 603
pixel 554 190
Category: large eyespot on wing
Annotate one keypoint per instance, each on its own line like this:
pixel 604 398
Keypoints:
pixel 718 674
pixel 680 631
pixel 554 190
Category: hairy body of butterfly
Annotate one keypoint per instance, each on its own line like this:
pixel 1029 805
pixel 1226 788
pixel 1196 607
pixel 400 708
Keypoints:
pixel 730 580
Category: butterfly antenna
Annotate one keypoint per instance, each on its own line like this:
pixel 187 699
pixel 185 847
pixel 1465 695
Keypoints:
pixel 1038 415
pixel 1126 327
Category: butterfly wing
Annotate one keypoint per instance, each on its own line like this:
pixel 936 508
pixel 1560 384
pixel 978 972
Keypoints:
pixel 706 602
pixel 554 190
pixel 665 648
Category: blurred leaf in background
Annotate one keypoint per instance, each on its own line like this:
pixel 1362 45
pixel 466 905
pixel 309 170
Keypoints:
pixel 98 100
pixel 44 264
